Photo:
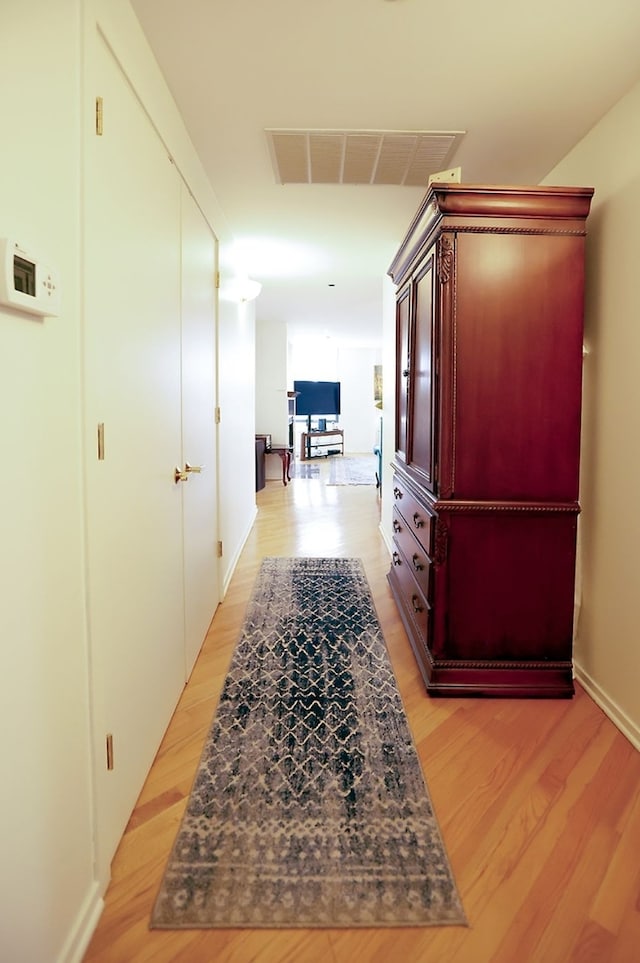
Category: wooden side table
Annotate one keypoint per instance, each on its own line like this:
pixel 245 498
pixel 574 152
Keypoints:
pixel 285 455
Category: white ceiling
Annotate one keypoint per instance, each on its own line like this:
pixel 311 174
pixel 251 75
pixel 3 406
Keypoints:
pixel 524 80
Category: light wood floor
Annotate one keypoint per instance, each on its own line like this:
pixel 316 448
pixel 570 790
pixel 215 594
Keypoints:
pixel 538 801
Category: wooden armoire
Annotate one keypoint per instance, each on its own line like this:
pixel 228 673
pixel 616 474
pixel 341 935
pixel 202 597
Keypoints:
pixel 489 328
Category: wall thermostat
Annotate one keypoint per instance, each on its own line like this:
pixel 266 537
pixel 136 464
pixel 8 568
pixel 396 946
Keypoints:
pixel 26 282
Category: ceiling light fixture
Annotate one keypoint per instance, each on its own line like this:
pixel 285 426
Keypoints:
pixel 240 289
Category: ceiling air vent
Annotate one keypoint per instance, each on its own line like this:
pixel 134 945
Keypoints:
pixel 360 156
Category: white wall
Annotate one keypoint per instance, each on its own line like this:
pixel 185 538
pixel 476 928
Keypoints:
pixel 271 380
pixel 237 430
pixel 50 897
pixel 45 795
pixel 607 651
pixel 359 418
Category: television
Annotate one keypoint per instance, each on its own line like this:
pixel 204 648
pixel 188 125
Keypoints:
pixel 317 397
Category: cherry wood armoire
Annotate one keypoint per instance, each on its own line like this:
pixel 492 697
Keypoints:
pixel 489 327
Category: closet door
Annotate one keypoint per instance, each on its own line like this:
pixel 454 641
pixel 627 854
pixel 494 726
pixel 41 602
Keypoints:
pixel 133 388
pixel 199 450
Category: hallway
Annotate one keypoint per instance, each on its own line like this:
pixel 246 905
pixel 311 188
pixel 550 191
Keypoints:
pixel 538 801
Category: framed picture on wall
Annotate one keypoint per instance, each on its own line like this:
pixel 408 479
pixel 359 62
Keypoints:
pixel 377 385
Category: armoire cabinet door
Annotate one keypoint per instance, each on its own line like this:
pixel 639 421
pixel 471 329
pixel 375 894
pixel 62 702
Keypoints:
pixel 518 344
pixel 402 372
pixel 422 392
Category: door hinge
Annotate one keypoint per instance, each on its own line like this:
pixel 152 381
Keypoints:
pixel 101 441
pixel 99 117
pixel 217 280
pixel 220 548
pixel 217 415
pixel 109 751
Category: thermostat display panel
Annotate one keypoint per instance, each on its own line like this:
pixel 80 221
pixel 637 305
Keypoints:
pixel 26 282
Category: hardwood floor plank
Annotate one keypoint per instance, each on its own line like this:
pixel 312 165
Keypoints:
pixel 622 877
pixel 538 800
pixel 594 945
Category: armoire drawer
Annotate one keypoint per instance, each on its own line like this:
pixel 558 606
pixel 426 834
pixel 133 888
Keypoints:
pixel 419 520
pixel 413 551
pixel 415 604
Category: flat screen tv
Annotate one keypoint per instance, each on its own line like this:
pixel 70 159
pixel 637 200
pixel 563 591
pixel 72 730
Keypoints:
pixel 317 397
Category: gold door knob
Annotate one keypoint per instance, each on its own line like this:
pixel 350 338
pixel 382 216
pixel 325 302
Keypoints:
pixel 179 476
pixel 192 469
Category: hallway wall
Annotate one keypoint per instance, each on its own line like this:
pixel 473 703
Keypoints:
pixel 607 648
pixel 360 418
pixel 51 893
pixel 47 855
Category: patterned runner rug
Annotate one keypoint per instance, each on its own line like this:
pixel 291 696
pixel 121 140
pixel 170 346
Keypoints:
pixel 309 807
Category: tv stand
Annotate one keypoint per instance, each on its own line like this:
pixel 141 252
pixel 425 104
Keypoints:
pixel 319 444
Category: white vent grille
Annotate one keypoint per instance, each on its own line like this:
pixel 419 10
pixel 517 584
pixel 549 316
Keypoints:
pixel 360 156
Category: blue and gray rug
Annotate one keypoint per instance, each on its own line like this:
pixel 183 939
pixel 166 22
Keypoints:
pixel 309 808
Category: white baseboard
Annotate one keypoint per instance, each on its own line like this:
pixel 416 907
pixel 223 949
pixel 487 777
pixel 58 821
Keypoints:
pixel 81 932
pixel 387 541
pixel 620 719
pixel 234 561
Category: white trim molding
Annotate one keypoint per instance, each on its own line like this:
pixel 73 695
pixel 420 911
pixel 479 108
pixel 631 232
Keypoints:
pixel 81 932
pixel 619 718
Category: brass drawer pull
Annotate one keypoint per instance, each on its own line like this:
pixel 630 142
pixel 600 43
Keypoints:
pixel 417 564
pixel 396 559
pixel 397 492
pixel 418 521
pixel 397 527
pixel 415 602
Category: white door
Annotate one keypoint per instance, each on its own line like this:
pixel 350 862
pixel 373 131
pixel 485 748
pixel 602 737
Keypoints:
pixel 133 387
pixel 199 493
